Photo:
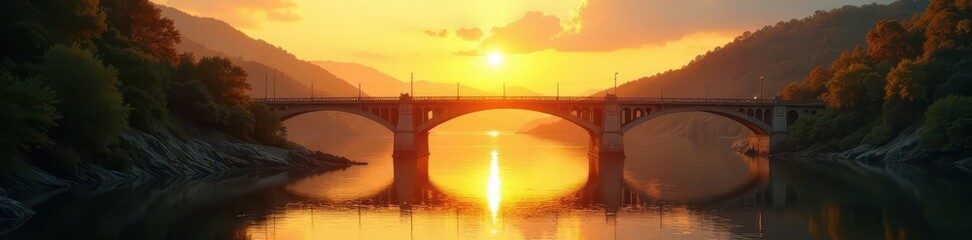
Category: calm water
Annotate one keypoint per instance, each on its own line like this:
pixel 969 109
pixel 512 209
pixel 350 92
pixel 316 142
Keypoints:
pixel 500 185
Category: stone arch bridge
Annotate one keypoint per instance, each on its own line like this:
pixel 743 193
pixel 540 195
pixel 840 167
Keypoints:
pixel 606 119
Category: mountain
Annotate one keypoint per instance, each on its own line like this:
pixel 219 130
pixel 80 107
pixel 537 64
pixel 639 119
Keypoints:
pixel 377 83
pixel 782 53
pixel 278 83
pixel 220 36
pixel 313 130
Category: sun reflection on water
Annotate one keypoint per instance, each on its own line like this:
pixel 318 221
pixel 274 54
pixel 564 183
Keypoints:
pixel 493 186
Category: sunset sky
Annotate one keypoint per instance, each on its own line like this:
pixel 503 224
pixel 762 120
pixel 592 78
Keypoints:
pixel 482 43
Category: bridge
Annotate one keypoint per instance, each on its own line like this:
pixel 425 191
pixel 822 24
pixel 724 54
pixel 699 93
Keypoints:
pixel 606 119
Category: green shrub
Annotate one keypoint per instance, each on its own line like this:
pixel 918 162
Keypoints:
pixel 94 114
pixel 947 125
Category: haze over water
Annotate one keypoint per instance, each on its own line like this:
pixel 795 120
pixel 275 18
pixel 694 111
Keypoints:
pixel 504 185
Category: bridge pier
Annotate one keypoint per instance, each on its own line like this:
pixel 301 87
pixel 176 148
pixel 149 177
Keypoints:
pixel 777 139
pixel 609 142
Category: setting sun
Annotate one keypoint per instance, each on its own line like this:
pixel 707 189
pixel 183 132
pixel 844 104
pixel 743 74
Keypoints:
pixel 494 59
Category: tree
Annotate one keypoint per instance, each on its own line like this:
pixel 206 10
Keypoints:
pixel 94 114
pixel 30 27
pixel 889 41
pixel 267 128
pixel 28 112
pixel 77 21
pixel 143 82
pixel 140 23
pixel 908 81
pixel 857 87
pixel 225 81
pixel 947 125
pixel 811 87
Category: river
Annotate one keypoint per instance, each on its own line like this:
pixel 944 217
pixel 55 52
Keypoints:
pixel 503 185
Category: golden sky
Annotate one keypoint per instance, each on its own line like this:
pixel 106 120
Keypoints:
pixel 483 43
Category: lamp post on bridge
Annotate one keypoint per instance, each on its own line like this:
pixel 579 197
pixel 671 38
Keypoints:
pixel 411 84
pixel 359 90
pixel 558 90
pixel 615 83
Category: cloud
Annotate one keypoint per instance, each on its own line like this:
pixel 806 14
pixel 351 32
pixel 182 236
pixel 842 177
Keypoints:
pixel 533 32
pixel 240 13
pixel 605 25
pixel 469 34
pixel 442 34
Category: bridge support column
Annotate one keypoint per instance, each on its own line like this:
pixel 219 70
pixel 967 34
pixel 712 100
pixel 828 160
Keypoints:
pixel 610 141
pixel 409 143
pixel 777 138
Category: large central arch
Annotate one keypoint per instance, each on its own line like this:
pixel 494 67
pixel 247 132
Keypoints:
pixel 759 127
pixel 590 127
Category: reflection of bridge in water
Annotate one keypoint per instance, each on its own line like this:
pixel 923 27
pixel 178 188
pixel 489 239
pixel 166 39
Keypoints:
pixel 605 188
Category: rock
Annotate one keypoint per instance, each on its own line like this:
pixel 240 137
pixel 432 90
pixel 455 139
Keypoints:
pixel 903 148
pixel 13 214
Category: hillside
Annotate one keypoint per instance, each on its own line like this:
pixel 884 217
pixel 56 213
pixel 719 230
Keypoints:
pixel 782 53
pixel 786 52
pixel 261 84
pixel 220 36
pixel 378 83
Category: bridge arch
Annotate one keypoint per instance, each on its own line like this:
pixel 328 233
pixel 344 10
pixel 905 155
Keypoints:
pixel 576 116
pixel 384 116
pixel 754 124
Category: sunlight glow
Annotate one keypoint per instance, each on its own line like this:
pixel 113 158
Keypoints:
pixel 493 184
pixel 493 133
pixel 494 59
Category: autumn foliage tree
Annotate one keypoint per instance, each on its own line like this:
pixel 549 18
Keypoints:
pixel 909 76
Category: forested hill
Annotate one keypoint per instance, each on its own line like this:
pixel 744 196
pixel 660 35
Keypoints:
pixel 909 86
pixel 786 51
pixel 222 37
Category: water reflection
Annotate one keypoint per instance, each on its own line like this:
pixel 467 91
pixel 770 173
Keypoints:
pixel 493 185
pixel 544 192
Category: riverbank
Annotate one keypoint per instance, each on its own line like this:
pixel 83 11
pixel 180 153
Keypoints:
pixel 191 152
pixel 903 149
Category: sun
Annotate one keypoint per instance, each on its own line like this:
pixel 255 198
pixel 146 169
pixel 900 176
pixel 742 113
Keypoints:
pixel 494 59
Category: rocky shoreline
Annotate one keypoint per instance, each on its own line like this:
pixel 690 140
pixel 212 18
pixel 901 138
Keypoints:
pixel 903 149
pixel 193 153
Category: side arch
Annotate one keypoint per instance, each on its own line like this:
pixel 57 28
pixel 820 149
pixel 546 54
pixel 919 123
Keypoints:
pixel 289 113
pixel 450 115
pixel 757 126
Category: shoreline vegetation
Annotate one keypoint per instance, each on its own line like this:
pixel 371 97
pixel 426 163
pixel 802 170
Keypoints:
pixel 96 92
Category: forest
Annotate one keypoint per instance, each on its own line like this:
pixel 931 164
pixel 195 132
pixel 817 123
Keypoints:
pixel 910 75
pixel 77 74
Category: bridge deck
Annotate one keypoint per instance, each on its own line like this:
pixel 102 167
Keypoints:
pixel 540 99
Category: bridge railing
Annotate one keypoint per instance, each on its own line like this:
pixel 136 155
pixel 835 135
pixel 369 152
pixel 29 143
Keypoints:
pixel 623 100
